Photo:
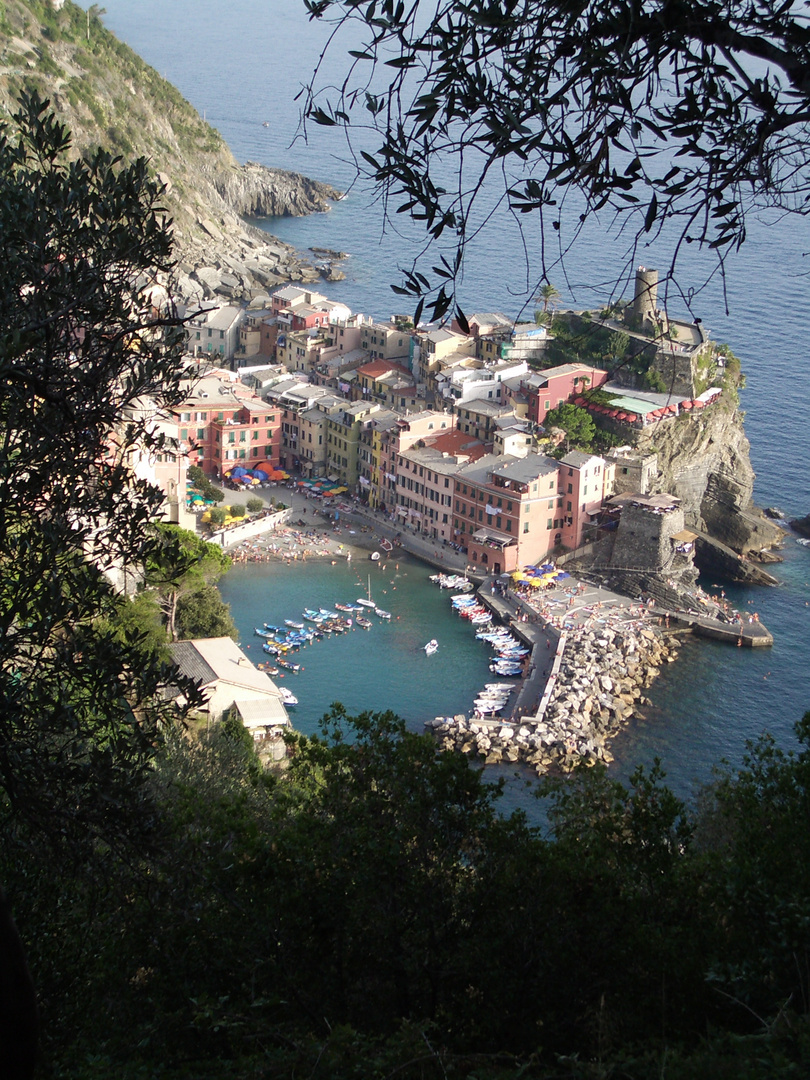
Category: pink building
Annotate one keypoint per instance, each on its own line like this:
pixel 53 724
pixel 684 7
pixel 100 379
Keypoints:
pixel 548 389
pixel 510 512
pixel 223 423
pixel 505 511
pixel 581 483
pixel 391 437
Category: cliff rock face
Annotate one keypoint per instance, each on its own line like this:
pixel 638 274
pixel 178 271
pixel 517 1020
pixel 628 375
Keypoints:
pixel 108 96
pixel 703 458
pixel 256 191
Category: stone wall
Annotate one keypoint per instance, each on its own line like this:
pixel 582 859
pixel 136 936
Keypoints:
pixel 600 685
pixel 235 534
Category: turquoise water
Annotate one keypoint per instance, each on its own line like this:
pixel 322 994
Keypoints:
pixel 381 668
pixel 715 698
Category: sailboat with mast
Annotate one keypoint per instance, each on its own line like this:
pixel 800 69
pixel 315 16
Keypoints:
pixel 367 601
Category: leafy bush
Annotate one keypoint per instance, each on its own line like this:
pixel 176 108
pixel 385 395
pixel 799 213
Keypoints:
pixel 218 516
pixel 255 505
pixel 236 510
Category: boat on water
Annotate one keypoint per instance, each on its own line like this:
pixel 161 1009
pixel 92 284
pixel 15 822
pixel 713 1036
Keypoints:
pixel 367 602
pixel 288 665
pixel 382 614
pixel 293 624
pixel 803 541
pixel 386 545
pixel 451 581
pixel 287 696
pixel 487 708
pixel 362 621
pixel 431 646
pixel 375 556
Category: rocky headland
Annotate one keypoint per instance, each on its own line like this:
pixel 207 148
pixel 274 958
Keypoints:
pixel 107 96
pixel 704 459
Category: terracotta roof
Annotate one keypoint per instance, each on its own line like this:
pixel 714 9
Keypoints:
pixel 382 367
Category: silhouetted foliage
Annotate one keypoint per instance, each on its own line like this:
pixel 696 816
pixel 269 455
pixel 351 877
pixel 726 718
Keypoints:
pixel 654 114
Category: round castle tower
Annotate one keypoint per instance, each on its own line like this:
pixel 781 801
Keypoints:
pixel 645 300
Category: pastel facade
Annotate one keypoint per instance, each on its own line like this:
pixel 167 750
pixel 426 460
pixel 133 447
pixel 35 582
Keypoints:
pixel 582 480
pixel 479 418
pixel 504 511
pixel 425 481
pixel 391 436
pixel 214 332
pixel 549 389
pixel 343 441
pixel 387 341
pixel 222 424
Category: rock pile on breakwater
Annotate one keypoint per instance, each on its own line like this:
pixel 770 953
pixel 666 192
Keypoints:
pixel 599 686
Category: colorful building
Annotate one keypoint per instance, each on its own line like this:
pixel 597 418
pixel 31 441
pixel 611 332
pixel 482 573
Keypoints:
pixel 547 390
pixel 223 423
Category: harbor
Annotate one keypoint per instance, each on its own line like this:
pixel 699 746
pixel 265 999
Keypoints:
pixel 589 660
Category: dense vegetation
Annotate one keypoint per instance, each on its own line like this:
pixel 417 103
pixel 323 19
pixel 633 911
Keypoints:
pixel 369 913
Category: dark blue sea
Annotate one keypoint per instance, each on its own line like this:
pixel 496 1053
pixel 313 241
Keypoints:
pixel 242 64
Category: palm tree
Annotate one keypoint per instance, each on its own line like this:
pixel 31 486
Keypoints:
pixel 548 294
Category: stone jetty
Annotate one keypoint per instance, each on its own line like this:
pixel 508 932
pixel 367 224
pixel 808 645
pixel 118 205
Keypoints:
pixel 599 682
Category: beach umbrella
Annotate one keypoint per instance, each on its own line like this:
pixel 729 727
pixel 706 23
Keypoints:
pixel 698 404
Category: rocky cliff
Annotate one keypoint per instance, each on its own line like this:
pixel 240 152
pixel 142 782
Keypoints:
pixel 108 96
pixel 703 458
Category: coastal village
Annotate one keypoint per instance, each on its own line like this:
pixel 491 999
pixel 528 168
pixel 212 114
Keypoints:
pixel 438 438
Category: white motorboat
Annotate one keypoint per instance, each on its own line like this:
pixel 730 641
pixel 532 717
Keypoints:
pixel 431 646
pixel 382 614
pixel 287 696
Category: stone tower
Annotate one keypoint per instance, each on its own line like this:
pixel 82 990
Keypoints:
pixel 645 300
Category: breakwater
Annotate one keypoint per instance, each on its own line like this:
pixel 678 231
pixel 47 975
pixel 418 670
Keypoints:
pixel 597 686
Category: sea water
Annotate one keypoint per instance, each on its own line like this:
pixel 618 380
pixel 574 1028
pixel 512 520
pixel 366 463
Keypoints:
pixel 243 66
pixel 385 667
